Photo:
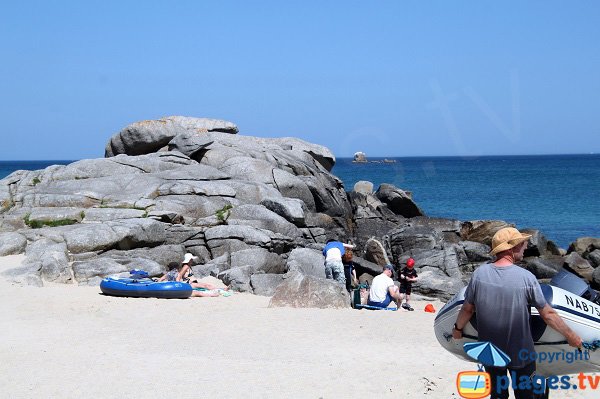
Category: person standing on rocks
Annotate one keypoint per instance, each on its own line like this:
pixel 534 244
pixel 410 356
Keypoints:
pixel 334 267
pixel 502 293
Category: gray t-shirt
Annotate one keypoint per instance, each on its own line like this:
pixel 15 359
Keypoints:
pixel 502 296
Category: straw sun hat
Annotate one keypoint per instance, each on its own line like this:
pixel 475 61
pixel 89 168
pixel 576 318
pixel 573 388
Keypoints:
pixel 507 238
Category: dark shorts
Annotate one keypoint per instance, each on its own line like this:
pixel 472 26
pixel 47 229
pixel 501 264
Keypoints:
pixel 405 288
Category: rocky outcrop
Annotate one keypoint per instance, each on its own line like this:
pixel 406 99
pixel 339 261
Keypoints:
pixel 481 231
pixel 150 136
pixel 255 211
pixel 171 186
pixel 398 201
pixel 301 291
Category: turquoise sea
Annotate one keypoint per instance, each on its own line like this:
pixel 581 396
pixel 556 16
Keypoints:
pixel 557 194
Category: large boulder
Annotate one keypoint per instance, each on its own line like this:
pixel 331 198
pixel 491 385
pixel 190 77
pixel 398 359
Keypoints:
pixel 306 261
pixel 481 230
pixel 92 270
pixel 579 265
pixel 539 245
pixel 260 217
pixel 225 238
pixel 584 245
pixel 543 268
pixel 301 291
pixel 265 284
pixel 12 243
pixel 289 208
pixel 398 201
pixel 363 187
pixel 260 259
pixel 411 239
pixel 151 135
pixel 364 266
pixel 245 264
pixel 292 186
pixel 476 252
pixel 163 255
pixel 594 258
pixel 375 253
pixel 190 143
pixel 596 279
pixel 121 234
pixel 52 258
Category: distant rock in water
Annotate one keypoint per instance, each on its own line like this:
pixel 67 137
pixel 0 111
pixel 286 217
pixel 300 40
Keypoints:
pixel 255 211
pixel 360 157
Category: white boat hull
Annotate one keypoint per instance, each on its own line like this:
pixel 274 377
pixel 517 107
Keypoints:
pixel 581 315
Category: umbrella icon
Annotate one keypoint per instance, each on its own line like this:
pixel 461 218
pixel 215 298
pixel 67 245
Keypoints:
pixel 487 354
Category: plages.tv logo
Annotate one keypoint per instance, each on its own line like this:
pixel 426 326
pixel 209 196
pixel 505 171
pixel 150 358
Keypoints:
pixel 473 384
pixel 478 384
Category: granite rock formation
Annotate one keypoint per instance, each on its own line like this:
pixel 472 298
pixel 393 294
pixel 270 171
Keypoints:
pixel 256 212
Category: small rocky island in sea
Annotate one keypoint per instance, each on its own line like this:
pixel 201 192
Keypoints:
pixel 256 211
pixel 361 157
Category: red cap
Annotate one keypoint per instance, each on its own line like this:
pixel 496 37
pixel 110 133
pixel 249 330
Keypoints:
pixel 410 262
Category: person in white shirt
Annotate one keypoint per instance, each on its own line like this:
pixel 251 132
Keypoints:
pixel 334 267
pixel 383 291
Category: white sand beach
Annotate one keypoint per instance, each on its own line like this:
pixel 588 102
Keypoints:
pixel 64 341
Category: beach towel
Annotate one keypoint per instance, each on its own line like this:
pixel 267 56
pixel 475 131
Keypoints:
pixel 220 291
pixel 373 307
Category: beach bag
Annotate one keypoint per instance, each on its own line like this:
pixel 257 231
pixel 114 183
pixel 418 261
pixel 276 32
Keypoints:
pixel 360 295
pixel 138 274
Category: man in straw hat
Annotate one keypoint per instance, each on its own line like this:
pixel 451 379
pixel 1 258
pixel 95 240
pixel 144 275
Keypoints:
pixel 502 294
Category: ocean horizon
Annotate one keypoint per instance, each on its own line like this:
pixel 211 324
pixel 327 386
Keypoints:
pixel 556 194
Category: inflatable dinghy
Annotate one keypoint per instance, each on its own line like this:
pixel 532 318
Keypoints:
pixel 573 300
pixel 145 288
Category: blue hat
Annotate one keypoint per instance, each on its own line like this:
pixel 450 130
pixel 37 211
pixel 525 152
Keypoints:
pixel 389 266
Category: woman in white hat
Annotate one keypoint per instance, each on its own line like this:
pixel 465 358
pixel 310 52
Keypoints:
pixel 187 275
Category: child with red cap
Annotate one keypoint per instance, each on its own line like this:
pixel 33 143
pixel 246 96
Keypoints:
pixel 407 276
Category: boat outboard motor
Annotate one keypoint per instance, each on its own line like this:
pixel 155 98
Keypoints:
pixel 570 281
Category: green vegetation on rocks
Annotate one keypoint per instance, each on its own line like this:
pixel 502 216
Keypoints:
pixel 36 224
pixel 223 213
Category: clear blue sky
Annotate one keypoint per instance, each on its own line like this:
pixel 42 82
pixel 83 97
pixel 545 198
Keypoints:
pixel 391 78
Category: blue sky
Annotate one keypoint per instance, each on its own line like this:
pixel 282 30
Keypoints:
pixel 390 78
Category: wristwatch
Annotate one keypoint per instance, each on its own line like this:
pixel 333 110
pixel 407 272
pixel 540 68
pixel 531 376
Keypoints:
pixel 456 328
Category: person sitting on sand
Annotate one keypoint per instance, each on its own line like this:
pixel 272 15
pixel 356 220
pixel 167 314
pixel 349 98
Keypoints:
pixel 173 274
pixel 407 276
pixel 383 291
pixel 186 274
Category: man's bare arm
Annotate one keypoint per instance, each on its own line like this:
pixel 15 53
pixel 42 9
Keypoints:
pixel 554 320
